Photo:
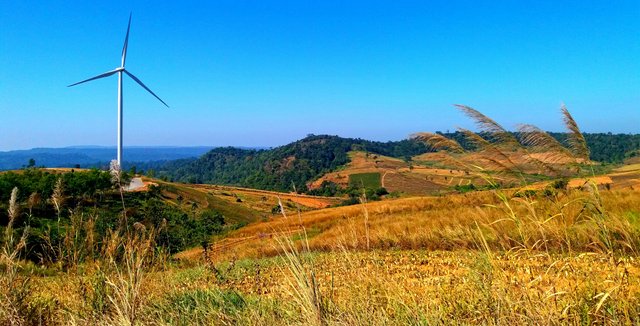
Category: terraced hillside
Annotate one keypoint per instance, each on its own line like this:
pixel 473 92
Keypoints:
pixel 438 172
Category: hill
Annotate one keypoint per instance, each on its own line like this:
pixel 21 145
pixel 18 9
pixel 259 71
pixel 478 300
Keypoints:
pixel 281 168
pixel 412 167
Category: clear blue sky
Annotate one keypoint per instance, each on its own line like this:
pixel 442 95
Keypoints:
pixel 264 73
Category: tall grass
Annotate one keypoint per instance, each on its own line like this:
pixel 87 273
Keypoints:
pixel 127 262
pixel 300 275
pixel 13 288
pixel 108 274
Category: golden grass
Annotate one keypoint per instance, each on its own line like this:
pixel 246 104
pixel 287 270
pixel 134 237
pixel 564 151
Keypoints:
pixel 438 142
pixel 386 287
pixel 453 285
pixel 476 258
pixel 628 168
pixel 577 143
pixel 243 201
pixel 449 223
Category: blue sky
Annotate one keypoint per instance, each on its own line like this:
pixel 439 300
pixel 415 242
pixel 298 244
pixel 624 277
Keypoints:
pixel 264 73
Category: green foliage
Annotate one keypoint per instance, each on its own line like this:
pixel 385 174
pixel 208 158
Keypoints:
pixel 211 222
pixel 199 306
pixel 90 195
pixel 358 195
pixel 366 180
pixel 394 194
pixel 178 229
pixel 76 183
pixel 328 189
pixel 465 188
pixel 381 191
pixel 560 184
pixel 528 193
pixel 471 187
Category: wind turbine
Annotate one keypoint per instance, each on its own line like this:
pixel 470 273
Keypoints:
pixel 119 71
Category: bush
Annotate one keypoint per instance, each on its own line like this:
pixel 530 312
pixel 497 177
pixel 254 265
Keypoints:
pixel 465 188
pixel 560 184
pixel 526 194
pixel 211 222
pixel 381 191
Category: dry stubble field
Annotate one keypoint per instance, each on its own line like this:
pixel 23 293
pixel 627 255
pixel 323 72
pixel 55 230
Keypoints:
pixel 485 257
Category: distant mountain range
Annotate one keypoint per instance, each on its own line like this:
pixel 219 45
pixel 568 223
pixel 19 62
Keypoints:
pixel 95 156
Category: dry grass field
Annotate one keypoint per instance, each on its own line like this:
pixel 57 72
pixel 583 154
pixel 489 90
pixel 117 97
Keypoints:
pixel 478 258
pixel 626 177
pixel 439 223
pixel 239 204
pixel 559 247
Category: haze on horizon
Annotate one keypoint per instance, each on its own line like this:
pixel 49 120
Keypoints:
pixel 267 73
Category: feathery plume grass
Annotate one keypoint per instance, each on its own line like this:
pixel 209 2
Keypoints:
pixel 58 197
pixel 438 142
pixel 127 263
pixel 363 201
pixel 577 143
pixel 281 207
pixel 13 206
pixel 488 125
pixel 532 136
pixel 13 291
pixel 116 178
pixel 34 200
pixel 303 283
pixel 115 171
pixel 491 150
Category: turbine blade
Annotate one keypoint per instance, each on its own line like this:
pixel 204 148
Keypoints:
pixel 106 74
pixel 126 42
pixel 145 87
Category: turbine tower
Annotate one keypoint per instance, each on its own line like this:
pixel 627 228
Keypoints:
pixel 120 70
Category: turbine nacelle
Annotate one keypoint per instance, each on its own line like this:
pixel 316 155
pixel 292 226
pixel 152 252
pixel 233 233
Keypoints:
pixel 121 68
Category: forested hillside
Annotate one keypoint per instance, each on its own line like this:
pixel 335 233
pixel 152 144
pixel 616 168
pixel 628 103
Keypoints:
pixel 609 148
pixel 307 159
pixel 282 167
